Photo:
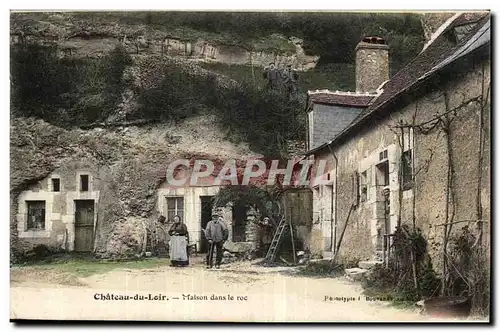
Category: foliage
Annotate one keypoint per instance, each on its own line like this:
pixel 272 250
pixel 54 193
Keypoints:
pixel 38 79
pixel 333 76
pixel 65 90
pixel 398 279
pixel 265 119
pixel 429 283
pixel 321 269
pixel 469 270
pixel 264 200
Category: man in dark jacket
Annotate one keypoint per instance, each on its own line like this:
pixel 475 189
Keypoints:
pixel 216 233
pixel 272 75
pixel 290 80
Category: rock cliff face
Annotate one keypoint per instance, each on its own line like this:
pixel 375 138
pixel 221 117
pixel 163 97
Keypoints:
pixel 131 162
pixel 94 38
pixel 128 158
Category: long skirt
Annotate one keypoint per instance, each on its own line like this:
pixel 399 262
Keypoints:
pixel 178 251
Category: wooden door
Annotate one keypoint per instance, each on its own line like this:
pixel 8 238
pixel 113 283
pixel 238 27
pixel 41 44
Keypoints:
pixel 84 225
pixel 298 206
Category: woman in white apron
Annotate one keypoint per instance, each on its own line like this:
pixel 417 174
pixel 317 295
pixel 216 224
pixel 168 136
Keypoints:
pixel 179 239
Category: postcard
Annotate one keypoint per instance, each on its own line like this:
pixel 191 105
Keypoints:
pixel 237 166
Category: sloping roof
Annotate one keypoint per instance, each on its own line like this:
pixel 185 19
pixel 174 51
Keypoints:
pixel 437 52
pixel 343 99
pixel 434 58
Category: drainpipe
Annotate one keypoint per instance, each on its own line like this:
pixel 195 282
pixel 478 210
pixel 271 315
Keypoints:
pixel 333 222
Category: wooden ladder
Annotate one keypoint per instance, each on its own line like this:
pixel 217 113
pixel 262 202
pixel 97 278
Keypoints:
pixel 278 236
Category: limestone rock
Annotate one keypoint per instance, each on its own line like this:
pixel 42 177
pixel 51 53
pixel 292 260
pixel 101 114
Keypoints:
pixel 127 239
pixel 355 274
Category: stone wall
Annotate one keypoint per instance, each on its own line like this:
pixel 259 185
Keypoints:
pixel 361 152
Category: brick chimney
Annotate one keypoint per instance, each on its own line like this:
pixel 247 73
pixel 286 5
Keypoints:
pixel 372 64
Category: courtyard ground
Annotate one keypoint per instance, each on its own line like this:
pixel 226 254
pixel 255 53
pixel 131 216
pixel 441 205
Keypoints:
pixel 238 292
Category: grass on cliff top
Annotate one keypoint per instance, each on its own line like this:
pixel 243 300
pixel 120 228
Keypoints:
pixel 67 269
pixel 334 76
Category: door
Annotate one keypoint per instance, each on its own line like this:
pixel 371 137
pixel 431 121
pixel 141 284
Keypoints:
pixel 206 216
pixel 84 225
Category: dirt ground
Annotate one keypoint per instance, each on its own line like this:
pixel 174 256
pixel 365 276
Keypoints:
pixel 244 293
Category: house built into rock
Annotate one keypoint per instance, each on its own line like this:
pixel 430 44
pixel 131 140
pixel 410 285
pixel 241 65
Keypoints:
pixel 60 211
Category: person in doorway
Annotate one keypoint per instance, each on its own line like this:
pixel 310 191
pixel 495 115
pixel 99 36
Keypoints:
pixel 267 228
pixel 216 234
pixel 179 239
pixel 161 238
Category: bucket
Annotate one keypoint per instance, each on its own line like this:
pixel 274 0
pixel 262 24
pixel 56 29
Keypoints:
pixel 448 306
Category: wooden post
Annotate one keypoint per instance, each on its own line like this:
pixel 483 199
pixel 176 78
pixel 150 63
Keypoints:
pixel 334 259
pixel 293 242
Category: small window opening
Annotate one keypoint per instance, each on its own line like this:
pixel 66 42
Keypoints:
pixel 84 182
pixel 383 155
pixel 56 185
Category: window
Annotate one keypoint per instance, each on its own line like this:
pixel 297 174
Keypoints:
pixel 363 187
pixel 382 174
pixel 383 155
pixel 84 182
pixel 56 185
pixel 407 170
pixel 175 205
pixel 36 215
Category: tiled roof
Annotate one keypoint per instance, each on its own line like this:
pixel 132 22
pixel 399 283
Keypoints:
pixel 353 100
pixel 414 73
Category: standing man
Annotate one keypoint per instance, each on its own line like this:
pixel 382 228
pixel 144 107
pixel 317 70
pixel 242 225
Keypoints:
pixel 272 75
pixel 216 234
pixel 290 80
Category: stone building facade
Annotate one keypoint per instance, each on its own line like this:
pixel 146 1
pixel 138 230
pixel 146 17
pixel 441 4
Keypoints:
pixel 423 141
pixel 60 211
pixel 195 205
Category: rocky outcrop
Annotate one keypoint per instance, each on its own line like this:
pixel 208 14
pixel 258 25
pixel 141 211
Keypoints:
pixel 127 240
pixel 94 38
pixel 131 163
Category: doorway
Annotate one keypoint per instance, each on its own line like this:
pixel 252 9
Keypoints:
pixel 239 222
pixel 206 216
pixel 84 225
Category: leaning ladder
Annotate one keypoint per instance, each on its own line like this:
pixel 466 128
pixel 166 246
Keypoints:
pixel 278 235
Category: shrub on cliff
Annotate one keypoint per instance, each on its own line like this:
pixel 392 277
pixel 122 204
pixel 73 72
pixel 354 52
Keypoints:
pixel 65 90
